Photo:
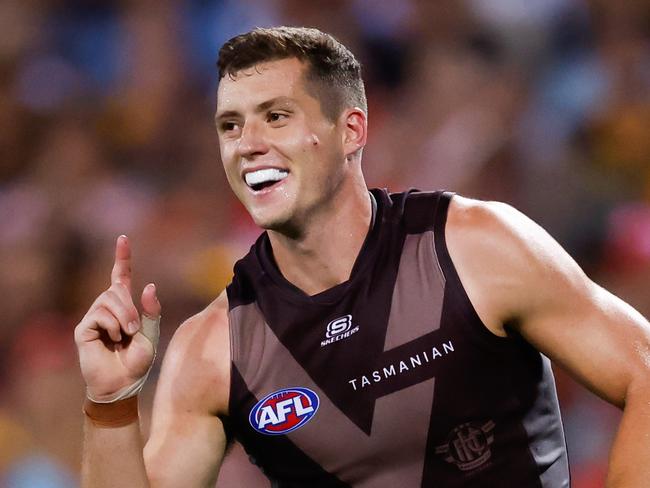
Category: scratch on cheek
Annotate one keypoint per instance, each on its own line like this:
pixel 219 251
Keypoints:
pixel 314 140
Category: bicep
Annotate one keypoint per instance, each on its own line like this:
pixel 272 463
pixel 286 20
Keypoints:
pixel 516 273
pixel 184 449
pixel 598 338
pixel 187 440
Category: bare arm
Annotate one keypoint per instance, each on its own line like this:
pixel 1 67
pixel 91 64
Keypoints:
pixel 113 456
pixel 114 355
pixel 187 440
pixel 514 272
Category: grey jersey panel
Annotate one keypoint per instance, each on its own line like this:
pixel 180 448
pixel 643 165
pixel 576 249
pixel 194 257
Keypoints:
pixel 410 304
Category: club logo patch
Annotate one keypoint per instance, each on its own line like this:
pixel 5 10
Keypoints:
pixel 284 411
pixel 468 445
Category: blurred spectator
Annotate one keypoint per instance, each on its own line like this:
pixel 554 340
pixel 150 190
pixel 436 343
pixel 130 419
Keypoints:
pixel 44 394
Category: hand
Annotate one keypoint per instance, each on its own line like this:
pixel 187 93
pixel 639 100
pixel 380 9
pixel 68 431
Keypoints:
pixel 113 351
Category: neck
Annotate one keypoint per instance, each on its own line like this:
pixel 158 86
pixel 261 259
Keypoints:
pixel 324 254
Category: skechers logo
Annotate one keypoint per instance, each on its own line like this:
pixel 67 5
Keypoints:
pixel 338 329
pixel 284 410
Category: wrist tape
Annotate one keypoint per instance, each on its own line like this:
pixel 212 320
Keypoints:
pixel 115 414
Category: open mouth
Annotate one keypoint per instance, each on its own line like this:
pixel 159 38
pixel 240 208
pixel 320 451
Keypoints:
pixel 264 178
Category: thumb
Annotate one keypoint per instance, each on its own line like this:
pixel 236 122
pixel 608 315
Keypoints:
pixel 150 304
pixel 150 327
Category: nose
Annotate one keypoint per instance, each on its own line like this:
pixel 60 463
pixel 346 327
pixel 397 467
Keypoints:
pixel 252 141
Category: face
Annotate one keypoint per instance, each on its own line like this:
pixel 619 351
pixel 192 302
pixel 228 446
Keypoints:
pixel 283 158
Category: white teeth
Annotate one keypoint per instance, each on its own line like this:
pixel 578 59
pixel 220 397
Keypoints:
pixel 265 175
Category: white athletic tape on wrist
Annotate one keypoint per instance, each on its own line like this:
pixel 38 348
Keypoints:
pixel 150 328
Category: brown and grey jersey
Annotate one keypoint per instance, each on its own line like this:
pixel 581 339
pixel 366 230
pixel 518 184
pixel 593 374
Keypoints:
pixel 388 379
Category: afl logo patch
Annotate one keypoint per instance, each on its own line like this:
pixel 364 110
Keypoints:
pixel 283 411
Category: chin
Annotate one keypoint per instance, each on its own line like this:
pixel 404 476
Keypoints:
pixel 266 220
pixel 277 224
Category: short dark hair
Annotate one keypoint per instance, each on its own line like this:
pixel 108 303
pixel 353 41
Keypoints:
pixel 333 73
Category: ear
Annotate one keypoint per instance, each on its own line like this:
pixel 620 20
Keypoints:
pixel 355 130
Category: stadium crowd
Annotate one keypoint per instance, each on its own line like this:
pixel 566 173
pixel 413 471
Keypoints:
pixel 106 128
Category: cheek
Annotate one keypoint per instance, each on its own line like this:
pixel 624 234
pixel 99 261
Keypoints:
pixel 311 145
pixel 293 139
pixel 313 140
pixel 229 165
pixel 226 154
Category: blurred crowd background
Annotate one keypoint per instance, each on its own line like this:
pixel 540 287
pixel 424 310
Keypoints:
pixel 106 128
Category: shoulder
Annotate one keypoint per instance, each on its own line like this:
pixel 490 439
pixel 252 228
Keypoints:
pixel 508 264
pixel 484 216
pixel 197 361
pixel 212 321
pixel 502 231
pixel 498 230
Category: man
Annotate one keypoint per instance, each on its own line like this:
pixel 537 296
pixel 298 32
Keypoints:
pixel 367 339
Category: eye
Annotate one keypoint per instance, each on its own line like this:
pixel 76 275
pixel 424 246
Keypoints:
pixel 228 126
pixel 276 116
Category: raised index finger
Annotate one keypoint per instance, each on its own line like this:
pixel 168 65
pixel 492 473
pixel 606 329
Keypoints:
pixel 122 268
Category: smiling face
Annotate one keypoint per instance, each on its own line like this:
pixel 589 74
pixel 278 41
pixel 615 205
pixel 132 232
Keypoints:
pixel 284 159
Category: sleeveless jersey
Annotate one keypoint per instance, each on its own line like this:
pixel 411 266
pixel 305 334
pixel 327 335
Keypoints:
pixel 389 379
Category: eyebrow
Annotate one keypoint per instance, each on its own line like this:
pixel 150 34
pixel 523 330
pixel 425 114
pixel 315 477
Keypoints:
pixel 262 107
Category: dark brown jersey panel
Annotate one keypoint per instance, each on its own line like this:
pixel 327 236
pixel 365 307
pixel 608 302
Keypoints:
pixel 389 379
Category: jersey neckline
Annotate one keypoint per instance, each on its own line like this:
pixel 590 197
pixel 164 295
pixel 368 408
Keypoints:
pixel 331 295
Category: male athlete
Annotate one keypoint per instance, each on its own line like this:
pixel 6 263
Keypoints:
pixel 368 339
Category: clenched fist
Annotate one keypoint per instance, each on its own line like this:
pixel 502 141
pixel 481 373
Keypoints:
pixel 116 345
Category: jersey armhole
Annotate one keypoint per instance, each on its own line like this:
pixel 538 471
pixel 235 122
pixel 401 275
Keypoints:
pixel 453 282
